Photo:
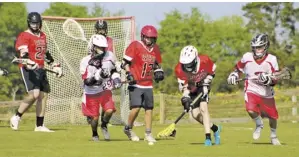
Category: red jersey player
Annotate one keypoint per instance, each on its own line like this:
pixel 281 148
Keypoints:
pixel 101 28
pixel 188 72
pixel 32 46
pixel 259 93
pixel 141 61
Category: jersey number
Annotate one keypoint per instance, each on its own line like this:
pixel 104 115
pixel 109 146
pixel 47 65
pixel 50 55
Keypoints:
pixel 107 85
pixel 40 51
pixel 145 70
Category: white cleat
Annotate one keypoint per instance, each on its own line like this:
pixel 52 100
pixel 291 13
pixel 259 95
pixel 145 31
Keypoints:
pixel 131 135
pixel 257 133
pixel 105 133
pixel 275 141
pixel 42 129
pixel 14 122
pixel 149 138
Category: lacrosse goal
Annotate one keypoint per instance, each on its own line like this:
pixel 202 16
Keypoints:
pixel 64 100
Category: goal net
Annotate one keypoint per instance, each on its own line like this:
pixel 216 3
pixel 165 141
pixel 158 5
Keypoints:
pixel 64 100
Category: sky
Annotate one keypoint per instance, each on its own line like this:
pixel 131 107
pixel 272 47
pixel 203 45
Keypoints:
pixel 153 13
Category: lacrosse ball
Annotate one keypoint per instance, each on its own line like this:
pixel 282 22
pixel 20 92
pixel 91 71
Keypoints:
pixel 151 143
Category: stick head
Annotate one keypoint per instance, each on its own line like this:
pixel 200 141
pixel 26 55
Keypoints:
pixel 167 131
pixel 73 29
pixel 284 74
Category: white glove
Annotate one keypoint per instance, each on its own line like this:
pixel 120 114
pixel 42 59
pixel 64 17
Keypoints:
pixel 97 75
pixel 57 69
pixel 118 66
pixel 30 65
pixel 186 93
pixel 3 72
pixel 116 80
pixel 265 79
pixel 232 78
pixel 207 81
pixel 105 73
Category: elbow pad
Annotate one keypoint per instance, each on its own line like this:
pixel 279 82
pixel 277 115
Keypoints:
pixel 124 63
pixel 49 59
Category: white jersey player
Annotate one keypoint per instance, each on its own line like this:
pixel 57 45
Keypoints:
pixel 100 73
pixel 259 95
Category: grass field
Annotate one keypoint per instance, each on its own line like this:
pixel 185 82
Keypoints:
pixel 74 141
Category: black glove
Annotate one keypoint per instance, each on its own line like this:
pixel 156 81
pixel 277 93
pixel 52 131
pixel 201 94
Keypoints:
pixel 186 102
pixel 93 82
pixel 130 78
pixel 158 75
pixel 105 73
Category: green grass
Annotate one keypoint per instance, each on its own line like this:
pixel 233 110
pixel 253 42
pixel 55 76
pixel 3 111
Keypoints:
pixel 74 141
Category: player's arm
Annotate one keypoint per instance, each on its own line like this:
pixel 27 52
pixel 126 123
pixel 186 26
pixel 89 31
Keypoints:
pixel 127 61
pixel 56 67
pixel 266 78
pixel 211 68
pixel 3 72
pixel 88 74
pixel 236 73
pixel 158 71
pixel 183 87
pixel 21 46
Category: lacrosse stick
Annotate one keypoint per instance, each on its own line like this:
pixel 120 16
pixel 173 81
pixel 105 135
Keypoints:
pixel 28 62
pixel 74 30
pixel 284 74
pixel 170 130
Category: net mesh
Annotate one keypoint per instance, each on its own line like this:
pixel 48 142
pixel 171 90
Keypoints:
pixel 64 100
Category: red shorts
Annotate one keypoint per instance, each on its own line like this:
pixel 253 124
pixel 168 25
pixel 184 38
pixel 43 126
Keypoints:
pixel 264 106
pixel 91 103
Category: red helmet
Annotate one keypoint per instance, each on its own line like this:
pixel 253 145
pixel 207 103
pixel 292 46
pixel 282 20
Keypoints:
pixel 149 31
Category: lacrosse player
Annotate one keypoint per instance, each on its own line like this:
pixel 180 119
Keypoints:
pixel 259 94
pixel 191 65
pixel 101 28
pixel 100 73
pixel 3 72
pixel 141 61
pixel 32 47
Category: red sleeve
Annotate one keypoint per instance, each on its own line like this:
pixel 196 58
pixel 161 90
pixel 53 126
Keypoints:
pixel 110 45
pixel 180 74
pixel 22 42
pixel 158 55
pixel 131 51
pixel 210 67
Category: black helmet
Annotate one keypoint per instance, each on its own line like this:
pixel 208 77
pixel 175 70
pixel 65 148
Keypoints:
pixel 101 25
pixel 34 18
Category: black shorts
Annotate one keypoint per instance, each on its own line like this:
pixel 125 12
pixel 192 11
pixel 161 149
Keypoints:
pixel 203 99
pixel 35 79
pixel 141 97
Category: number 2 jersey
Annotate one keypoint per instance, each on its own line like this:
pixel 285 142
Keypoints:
pixel 88 71
pixel 142 63
pixel 252 69
pixel 35 45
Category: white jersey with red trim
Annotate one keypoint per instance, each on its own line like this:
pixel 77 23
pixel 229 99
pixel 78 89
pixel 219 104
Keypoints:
pixel 252 68
pixel 88 71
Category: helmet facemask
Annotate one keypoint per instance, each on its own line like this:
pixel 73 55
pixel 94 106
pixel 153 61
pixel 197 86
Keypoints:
pixel 102 31
pixel 190 67
pixel 34 26
pixel 260 45
pixel 259 51
pixel 149 41
pixel 99 50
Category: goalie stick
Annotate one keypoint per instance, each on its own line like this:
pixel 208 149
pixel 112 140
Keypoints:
pixel 25 61
pixel 73 29
pixel 284 74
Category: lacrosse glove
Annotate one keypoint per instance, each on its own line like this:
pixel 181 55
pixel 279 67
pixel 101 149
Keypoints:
pixel 186 103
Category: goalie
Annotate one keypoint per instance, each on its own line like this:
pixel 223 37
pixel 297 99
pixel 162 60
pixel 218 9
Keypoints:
pixel 100 74
pixel 189 72
pixel 259 94
pixel 32 47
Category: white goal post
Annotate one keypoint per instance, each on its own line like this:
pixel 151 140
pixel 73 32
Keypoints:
pixel 64 100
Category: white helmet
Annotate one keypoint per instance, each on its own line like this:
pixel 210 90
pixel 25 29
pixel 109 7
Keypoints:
pixel 188 58
pixel 98 43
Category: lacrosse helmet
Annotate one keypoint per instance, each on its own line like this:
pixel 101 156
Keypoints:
pixel 260 45
pixel 189 58
pixel 149 35
pixel 99 44
pixel 34 22
pixel 101 27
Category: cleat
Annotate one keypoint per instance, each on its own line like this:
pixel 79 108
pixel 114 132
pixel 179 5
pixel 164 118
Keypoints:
pixel 257 133
pixel 217 135
pixel 105 133
pixel 42 129
pixel 208 142
pixel 131 135
pixel 95 138
pixel 149 138
pixel 275 141
pixel 14 122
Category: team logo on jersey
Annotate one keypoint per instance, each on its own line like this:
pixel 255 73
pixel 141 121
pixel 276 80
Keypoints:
pixel 148 58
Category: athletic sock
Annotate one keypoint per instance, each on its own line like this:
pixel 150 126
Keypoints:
pixel 208 136
pixel 273 132
pixel 39 121
pixel 214 128
pixel 259 122
pixel 19 114
pixel 94 133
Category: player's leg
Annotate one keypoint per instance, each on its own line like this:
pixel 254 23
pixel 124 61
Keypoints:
pixel 28 77
pixel 108 109
pixel 206 121
pixel 269 109
pixel 252 108
pixel 90 107
pixel 148 107
pixel 135 95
